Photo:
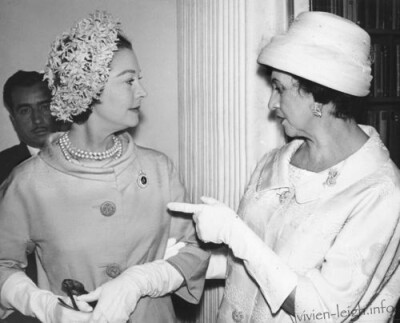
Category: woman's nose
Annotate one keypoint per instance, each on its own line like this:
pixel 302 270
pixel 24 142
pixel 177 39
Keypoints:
pixel 273 102
pixel 141 92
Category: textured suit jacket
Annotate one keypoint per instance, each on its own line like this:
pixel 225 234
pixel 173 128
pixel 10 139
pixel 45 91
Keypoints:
pixel 334 235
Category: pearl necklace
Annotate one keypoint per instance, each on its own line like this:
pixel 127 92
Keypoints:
pixel 70 151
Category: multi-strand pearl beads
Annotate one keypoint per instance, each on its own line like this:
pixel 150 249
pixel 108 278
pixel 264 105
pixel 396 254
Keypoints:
pixel 71 152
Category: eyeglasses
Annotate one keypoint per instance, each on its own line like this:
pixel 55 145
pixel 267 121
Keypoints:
pixel 73 288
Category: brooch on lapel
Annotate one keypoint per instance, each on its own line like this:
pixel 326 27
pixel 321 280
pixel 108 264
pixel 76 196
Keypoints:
pixel 332 176
pixel 285 196
pixel 142 180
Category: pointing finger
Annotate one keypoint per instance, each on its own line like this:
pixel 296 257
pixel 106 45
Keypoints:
pixel 185 207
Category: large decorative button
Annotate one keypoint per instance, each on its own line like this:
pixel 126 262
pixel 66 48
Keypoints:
pixel 237 316
pixel 108 208
pixel 113 270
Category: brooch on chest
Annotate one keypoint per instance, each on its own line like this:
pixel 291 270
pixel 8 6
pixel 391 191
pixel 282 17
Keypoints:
pixel 285 196
pixel 142 180
pixel 332 176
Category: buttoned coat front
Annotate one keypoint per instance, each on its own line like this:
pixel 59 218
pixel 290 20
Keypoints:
pixel 341 255
pixel 90 223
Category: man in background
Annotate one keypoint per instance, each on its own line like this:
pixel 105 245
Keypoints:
pixel 27 99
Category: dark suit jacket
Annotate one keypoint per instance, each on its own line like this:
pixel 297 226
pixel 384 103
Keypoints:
pixel 10 158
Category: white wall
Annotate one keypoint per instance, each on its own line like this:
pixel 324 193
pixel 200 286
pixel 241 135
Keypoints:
pixel 27 27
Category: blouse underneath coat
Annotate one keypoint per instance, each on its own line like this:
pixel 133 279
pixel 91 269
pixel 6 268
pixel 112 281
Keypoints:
pixel 90 223
pixel 335 237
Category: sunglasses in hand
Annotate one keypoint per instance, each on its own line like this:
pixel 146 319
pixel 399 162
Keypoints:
pixel 73 288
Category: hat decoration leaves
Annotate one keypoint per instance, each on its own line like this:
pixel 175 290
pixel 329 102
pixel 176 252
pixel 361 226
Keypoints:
pixel 78 65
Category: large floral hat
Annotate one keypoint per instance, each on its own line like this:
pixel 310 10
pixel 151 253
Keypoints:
pixel 78 66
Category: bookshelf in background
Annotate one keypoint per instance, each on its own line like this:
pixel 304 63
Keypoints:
pixel 381 19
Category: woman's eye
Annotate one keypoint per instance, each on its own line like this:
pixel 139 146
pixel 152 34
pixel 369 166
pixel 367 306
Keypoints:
pixel 277 89
pixel 130 81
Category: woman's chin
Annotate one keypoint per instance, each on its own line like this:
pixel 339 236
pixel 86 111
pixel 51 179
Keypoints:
pixel 289 130
pixel 133 125
pixel 133 119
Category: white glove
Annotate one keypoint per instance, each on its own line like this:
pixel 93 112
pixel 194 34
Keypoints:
pixel 173 248
pixel 117 298
pixel 19 292
pixel 214 220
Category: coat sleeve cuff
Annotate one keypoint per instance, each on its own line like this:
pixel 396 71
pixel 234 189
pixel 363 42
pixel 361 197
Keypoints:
pixel 274 277
pixel 192 263
pixel 276 282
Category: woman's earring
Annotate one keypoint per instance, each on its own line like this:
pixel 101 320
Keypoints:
pixel 316 110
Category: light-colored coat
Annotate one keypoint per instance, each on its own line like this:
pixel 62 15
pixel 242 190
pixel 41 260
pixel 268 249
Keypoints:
pixel 65 211
pixel 344 252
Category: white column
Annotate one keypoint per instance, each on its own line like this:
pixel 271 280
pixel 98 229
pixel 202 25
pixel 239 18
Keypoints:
pixel 212 98
pixel 223 118
pixel 223 115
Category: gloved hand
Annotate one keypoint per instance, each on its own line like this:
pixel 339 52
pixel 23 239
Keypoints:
pixel 173 248
pixel 215 222
pixel 19 292
pixel 117 298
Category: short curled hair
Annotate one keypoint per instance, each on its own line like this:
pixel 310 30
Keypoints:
pixel 343 103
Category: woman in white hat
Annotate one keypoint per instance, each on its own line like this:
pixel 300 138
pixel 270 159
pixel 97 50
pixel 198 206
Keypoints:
pixel 93 204
pixel 317 234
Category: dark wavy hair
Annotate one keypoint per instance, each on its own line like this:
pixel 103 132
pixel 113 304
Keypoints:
pixel 344 104
pixel 20 79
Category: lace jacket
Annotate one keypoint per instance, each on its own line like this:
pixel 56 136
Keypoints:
pixel 334 236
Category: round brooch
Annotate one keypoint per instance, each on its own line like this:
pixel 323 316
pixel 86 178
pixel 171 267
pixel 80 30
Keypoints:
pixel 142 180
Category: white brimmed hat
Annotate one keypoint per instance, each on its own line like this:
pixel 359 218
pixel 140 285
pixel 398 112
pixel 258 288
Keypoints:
pixel 323 48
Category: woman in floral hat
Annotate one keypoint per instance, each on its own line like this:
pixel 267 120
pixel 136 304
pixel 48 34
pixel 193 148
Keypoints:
pixel 93 204
pixel 317 234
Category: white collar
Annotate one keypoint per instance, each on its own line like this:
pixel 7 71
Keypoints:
pixel 275 173
pixel 33 151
